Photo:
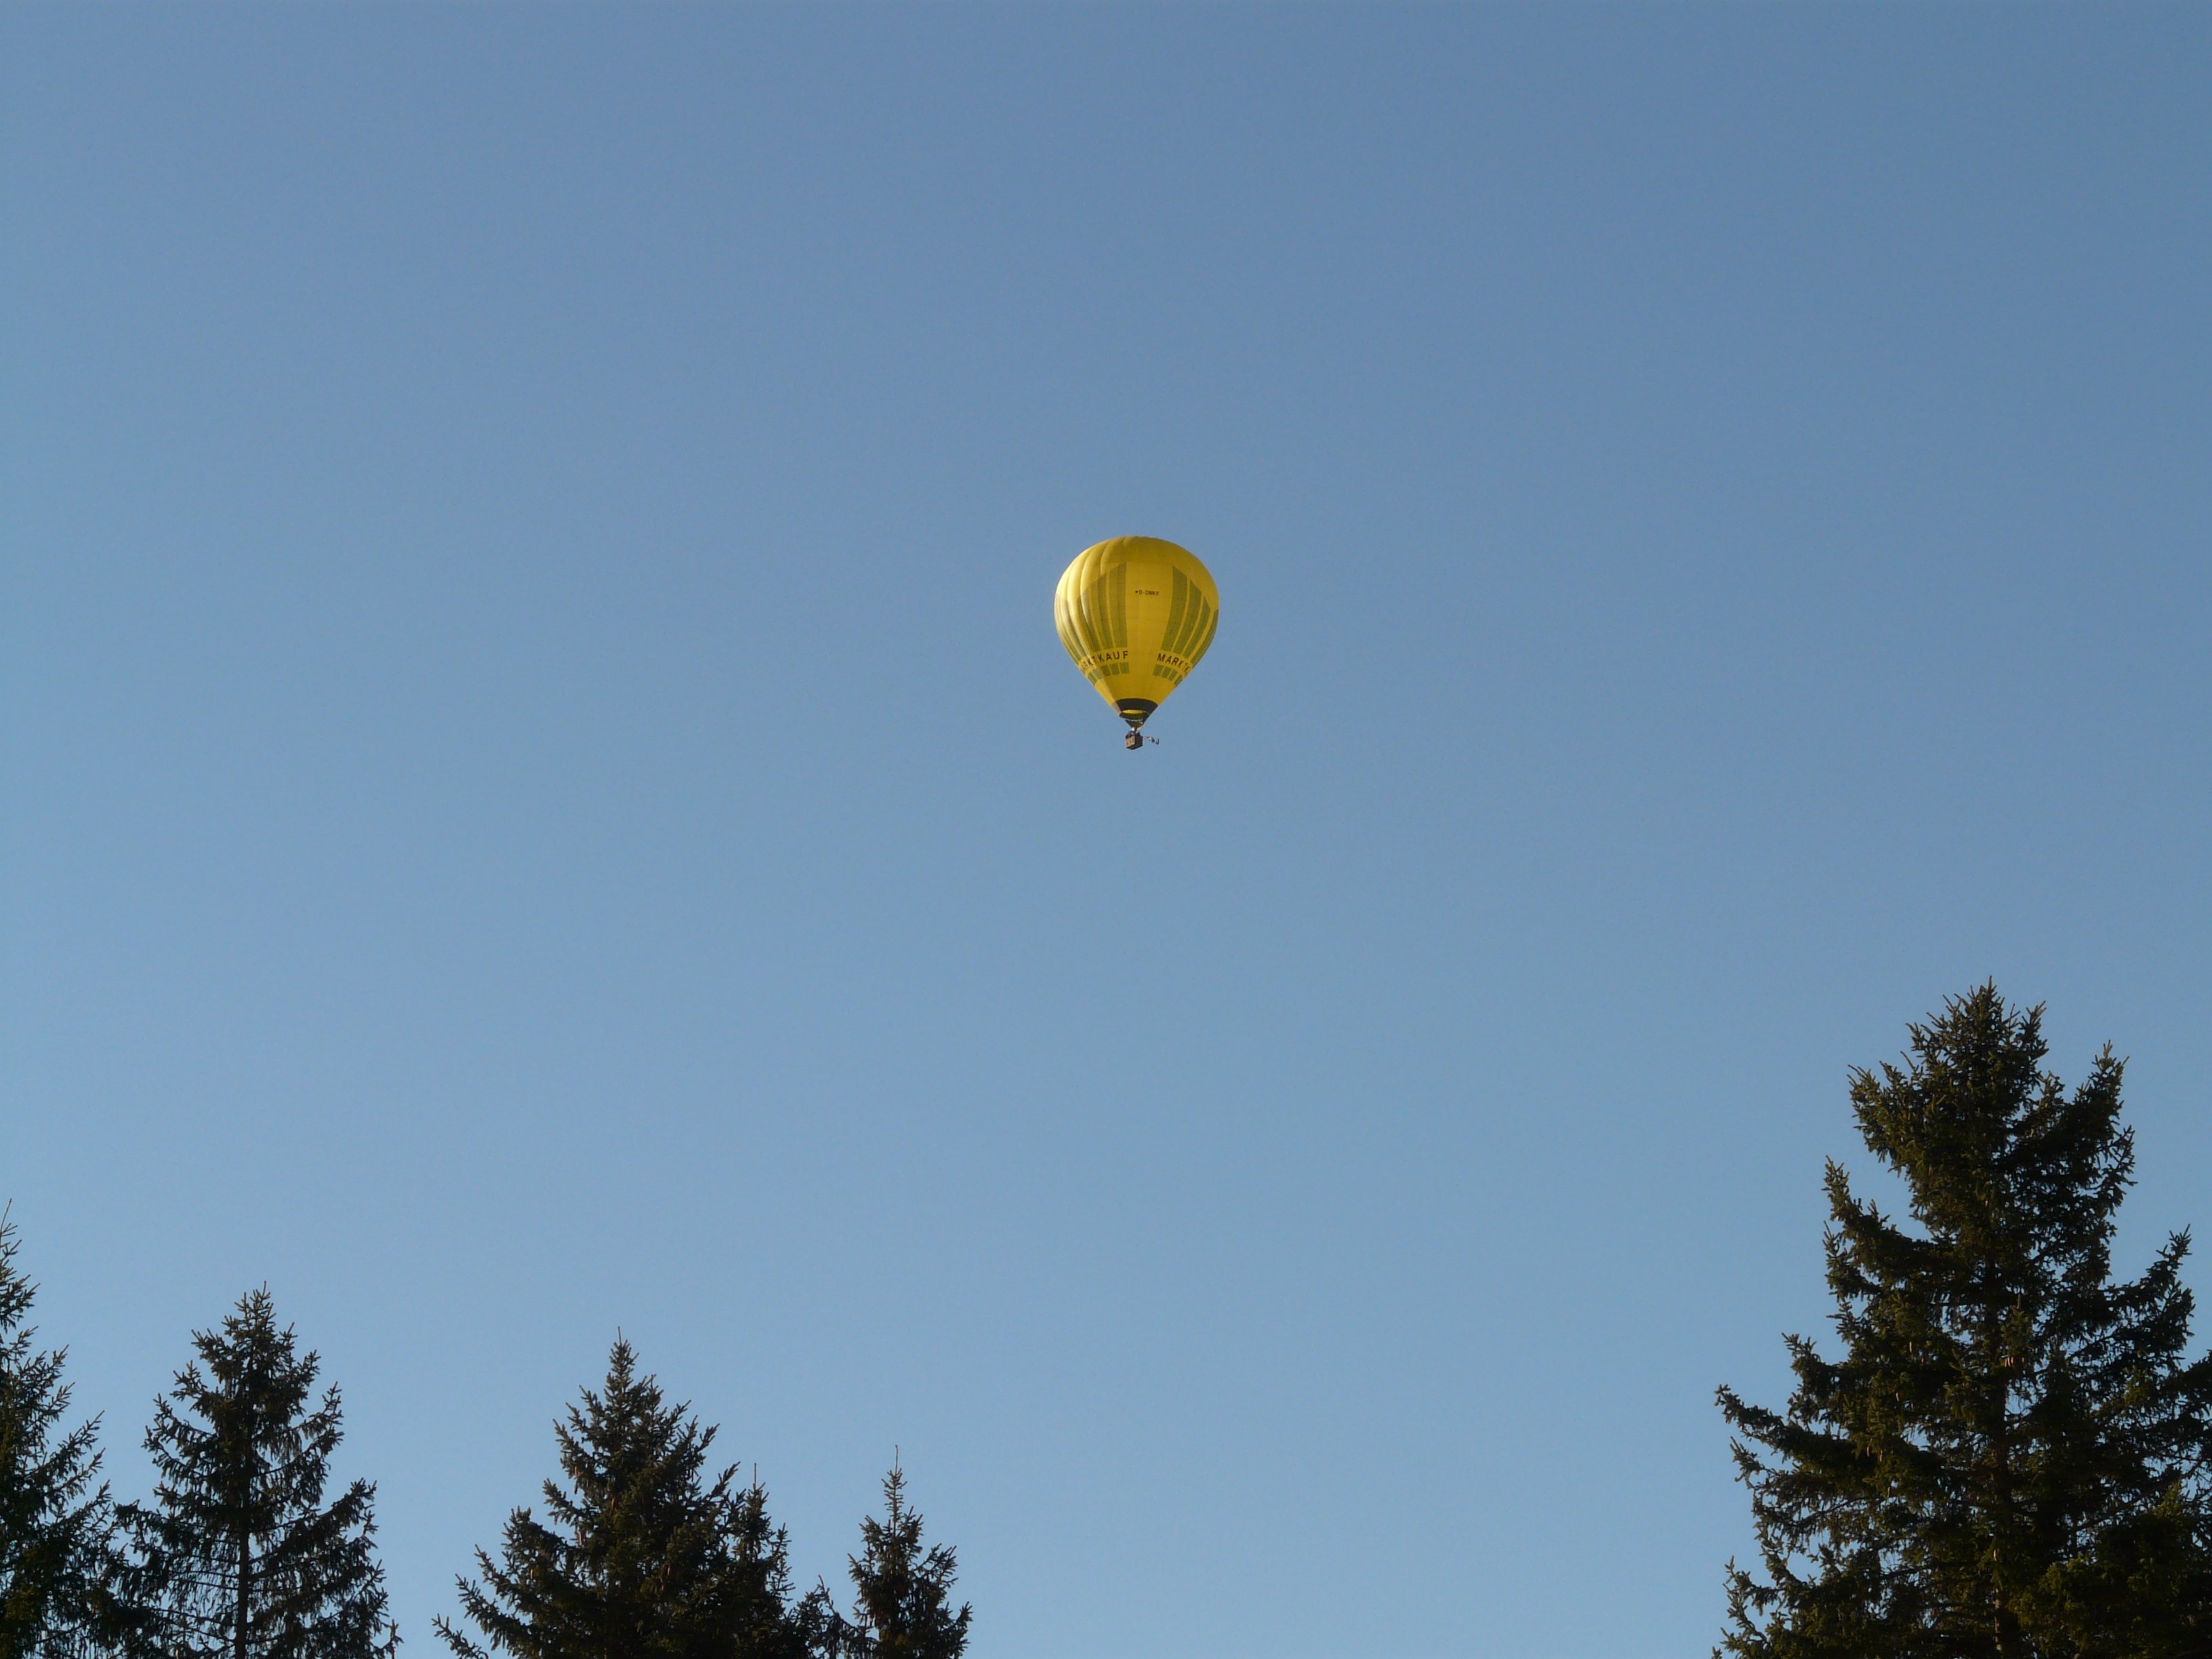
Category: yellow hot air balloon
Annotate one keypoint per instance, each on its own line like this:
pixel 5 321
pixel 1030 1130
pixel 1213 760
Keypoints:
pixel 1136 614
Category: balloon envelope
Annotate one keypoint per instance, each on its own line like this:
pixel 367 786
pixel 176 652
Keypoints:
pixel 1136 614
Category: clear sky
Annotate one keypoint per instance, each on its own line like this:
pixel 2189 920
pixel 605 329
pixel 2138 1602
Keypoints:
pixel 541 795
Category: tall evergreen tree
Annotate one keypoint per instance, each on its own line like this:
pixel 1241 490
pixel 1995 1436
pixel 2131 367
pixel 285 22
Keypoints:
pixel 903 1604
pixel 2007 1460
pixel 646 1558
pixel 55 1525
pixel 238 1557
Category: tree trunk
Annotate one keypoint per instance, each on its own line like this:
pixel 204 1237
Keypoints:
pixel 239 1616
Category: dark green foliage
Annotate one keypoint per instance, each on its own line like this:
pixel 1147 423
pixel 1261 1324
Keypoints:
pixel 644 1558
pixel 2007 1460
pixel 238 1555
pixel 903 1604
pixel 55 1526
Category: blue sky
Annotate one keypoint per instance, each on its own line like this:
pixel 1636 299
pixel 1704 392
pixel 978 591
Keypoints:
pixel 541 794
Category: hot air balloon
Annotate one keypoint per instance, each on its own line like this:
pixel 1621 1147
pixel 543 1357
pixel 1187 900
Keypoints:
pixel 1136 614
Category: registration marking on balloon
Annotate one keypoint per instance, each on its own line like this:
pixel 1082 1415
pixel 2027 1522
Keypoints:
pixel 1136 614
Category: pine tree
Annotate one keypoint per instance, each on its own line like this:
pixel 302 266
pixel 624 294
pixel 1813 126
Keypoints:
pixel 55 1525
pixel 238 1557
pixel 645 1558
pixel 903 1602
pixel 2008 1458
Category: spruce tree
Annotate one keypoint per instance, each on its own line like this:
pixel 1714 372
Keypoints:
pixel 645 1557
pixel 2007 1458
pixel 238 1557
pixel 55 1525
pixel 903 1604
